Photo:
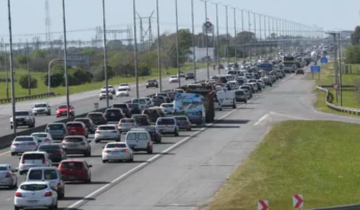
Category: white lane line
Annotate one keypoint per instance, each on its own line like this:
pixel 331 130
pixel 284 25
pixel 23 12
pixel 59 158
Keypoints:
pixel 289 116
pixel 261 119
pixel 143 165
pixel 8 199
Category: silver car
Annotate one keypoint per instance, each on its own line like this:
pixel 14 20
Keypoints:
pixel 23 144
pixel 8 177
pixel 167 125
pixel 57 131
pixel 77 145
pixel 126 124
pixel 41 108
pixel 107 132
pixel 183 122
pixel 42 137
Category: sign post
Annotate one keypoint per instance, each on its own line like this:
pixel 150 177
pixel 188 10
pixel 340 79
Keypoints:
pixel 315 69
pixel 324 60
pixel 336 87
pixel 263 205
pixel 298 201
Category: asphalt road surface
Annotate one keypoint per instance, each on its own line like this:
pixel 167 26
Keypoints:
pixel 84 102
pixel 161 174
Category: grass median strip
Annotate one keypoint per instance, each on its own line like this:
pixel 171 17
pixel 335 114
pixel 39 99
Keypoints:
pixel 319 159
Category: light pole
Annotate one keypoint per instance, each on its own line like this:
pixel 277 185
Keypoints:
pixel 249 22
pixel 227 35
pixel 105 54
pixel 217 36
pixel 242 40
pixel 193 37
pixel 49 73
pixel 65 61
pixel 177 42
pixel 28 68
pixel 206 40
pixel 235 35
pixel 159 44
pixel 12 69
pixel 255 52
pixel 135 51
pixel 7 73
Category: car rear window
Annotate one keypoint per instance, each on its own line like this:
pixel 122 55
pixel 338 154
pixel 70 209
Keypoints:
pixel 127 121
pixel 19 139
pixel 41 135
pixel 40 105
pixel 62 107
pixel 96 116
pixel 181 118
pixel 106 128
pixel 55 127
pixel 121 106
pixel 76 125
pixel 72 165
pixel 35 175
pixel 116 145
pixel 113 111
pixel 3 168
pixel 137 136
pixel 33 156
pixel 33 187
pixel 49 147
pixel 75 140
pixel 239 93
pixel 133 105
pixel 166 122
pixel 50 174
pixel 85 121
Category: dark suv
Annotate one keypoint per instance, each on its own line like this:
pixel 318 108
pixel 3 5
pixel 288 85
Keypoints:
pixel 113 114
pixel 190 75
pixel 152 83
pixel 125 108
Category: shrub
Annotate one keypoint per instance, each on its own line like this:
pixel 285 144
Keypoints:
pixel 25 84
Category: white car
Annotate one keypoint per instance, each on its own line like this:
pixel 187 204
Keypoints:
pixel 43 137
pixel 41 108
pixel 32 160
pixel 167 125
pixel 124 85
pixel 107 132
pixel 122 91
pixel 168 108
pixel 117 151
pixel 102 95
pixel 110 89
pixel 173 78
pixel 35 195
pixel 139 139
pixel 23 144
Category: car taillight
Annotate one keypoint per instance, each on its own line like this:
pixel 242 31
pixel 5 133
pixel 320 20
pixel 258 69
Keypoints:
pixel 14 144
pixel 47 140
pixel 120 124
pixel 126 151
pixel 97 131
pixel 114 132
pixel 17 194
pixel 63 143
pixel 47 194
pixel 43 160
pixel 106 151
pixel 23 160
pixel 58 186
pixel 8 175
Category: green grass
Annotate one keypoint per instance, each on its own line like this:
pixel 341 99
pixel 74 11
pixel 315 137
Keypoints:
pixel 42 88
pixel 318 159
pixel 350 99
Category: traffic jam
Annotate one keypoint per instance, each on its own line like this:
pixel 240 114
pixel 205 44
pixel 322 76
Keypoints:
pixel 51 159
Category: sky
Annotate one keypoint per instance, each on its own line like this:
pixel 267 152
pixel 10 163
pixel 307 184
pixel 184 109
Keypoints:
pixel 82 16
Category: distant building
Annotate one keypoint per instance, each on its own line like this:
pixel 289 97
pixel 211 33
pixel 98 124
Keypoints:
pixel 346 34
pixel 200 53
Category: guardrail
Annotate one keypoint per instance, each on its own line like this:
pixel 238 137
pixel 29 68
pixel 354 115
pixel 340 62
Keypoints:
pixel 5 141
pixel 347 207
pixel 23 98
pixel 333 106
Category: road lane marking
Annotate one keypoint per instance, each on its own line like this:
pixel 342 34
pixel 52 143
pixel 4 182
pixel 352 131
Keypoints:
pixel 289 116
pixel 261 119
pixel 4 153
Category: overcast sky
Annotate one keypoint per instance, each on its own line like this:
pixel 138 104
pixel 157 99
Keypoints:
pixel 28 16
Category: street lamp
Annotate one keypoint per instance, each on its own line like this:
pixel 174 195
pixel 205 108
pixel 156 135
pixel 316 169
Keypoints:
pixel 177 42
pixel 193 37
pixel 49 73
pixel 227 35
pixel 206 40
pixel 159 44
pixel 105 55
pixel 12 69
pixel 217 35
pixel 65 61
pixel 135 51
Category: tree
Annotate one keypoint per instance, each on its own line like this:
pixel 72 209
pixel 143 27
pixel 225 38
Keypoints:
pixel 57 79
pixel 352 54
pixel 246 37
pixel 355 37
pixel 21 60
pixel 39 54
pixel 24 83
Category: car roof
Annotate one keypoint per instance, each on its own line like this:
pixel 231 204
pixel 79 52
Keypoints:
pixel 166 117
pixel 22 111
pixel 73 136
pixel 40 133
pixel 95 113
pixel 49 144
pixel 43 168
pixel 40 103
pixel 120 142
pixel 35 182
pixel 73 160
pixel 35 152
pixel 25 136
pixel 56 124
pixel 107 125
pixel 4 164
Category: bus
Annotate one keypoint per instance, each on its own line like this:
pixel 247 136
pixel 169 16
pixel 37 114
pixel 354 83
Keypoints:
pixel 289 63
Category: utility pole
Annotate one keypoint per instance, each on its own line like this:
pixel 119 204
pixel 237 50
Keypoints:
pixel 65 62
pixel 12 69
pixel 105 55
pixel 135 51
pixel 249 22
pixel 217 36
pixel 260 31
pixel 193 37
pixel 227 36
pixel 206 41
pixel 177 42
pixel 242 40
pixel 159 44
pixel 28 68
pixel 340 69
pixel 235 32
pixel 255 35
pixel 7 72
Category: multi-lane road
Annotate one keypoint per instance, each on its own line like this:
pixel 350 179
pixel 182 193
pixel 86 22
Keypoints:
pixel 186 171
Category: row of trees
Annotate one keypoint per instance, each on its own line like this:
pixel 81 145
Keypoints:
pixel 352 53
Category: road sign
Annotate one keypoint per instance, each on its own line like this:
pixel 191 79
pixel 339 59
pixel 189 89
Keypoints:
pixel 208 27
pixel 263 205
pixel 298 201
pixel 324 60
pixel 315 69
pixel 335 86
pixel 78 60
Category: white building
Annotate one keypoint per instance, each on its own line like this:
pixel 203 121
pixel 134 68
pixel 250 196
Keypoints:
pixel 200 53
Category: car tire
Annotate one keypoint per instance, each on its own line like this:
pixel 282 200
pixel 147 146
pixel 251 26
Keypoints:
pixel 54 207
pixel 89 180
pixel 105 161
pixel 220 109
pixel 245 101
pixel 88 154
pixel 176 133
pixel 13 154
pixel 97 141
pixel 100 99
pixel 149 150
pixel 14 186
pixel 189 129
pixel 62 194
pixel 16 208
pixel 118 139
pixel 131 159
pixel 147 87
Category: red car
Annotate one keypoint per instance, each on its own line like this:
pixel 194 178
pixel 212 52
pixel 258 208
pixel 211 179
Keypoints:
pixel 77 129
pixel 75 170
pixel 62 111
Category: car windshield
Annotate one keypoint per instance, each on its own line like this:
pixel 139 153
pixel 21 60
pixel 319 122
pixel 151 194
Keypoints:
pixel 166 121
pixel 136 136
pixel 109 86
pixel 74 140
pixel 151 81
pixel 40 105
pixel 55 127
pixel 116 146
pixel 33 187
pixel 21 113
pixel 122 89
pixel 133 105
pixel 72 165
pixel 106 128
pixel 124 85
pixel 41 135
pixel 24 139
pixel 121 106
pixel 3 168
pixel 174 76
pixel 49 147
pixel 62 107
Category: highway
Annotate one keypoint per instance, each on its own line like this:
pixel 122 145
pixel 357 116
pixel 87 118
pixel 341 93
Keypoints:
pixel 154 174
pixel 84 102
